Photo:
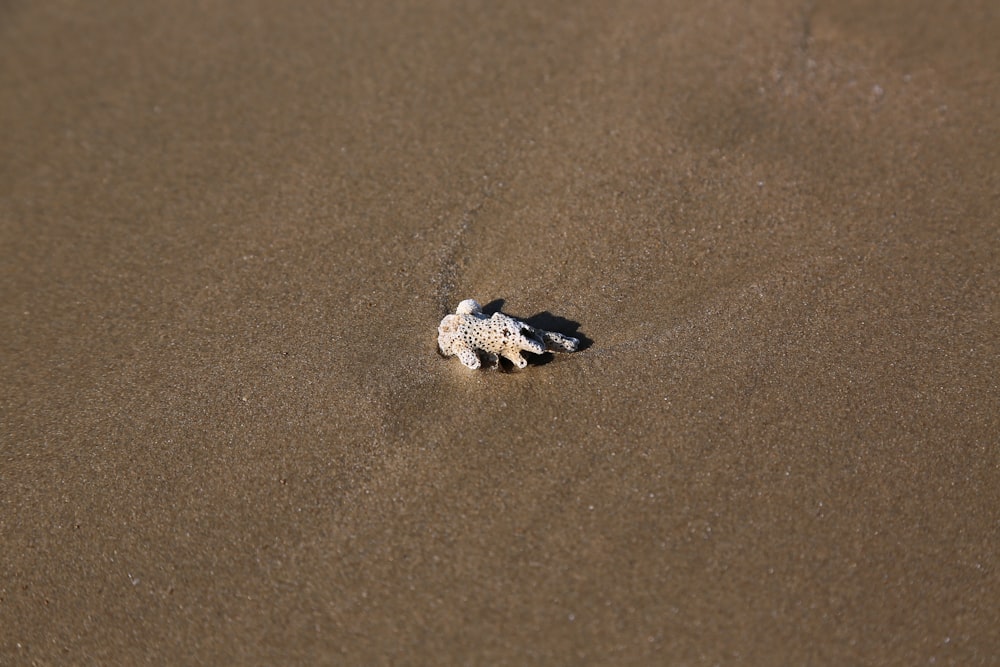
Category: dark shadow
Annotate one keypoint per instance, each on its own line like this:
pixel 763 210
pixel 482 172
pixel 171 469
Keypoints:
pixel 549 322
pixel 494 306
pixel 537 359
pixel 505 366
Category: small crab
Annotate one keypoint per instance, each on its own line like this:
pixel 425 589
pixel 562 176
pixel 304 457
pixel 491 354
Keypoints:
pixel 469 331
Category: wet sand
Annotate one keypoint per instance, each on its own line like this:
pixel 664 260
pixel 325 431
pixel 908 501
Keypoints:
pixel 229 231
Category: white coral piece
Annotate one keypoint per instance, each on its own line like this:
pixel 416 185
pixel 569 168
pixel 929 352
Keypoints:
pixel 469 331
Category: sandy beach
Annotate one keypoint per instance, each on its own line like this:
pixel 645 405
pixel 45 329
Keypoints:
pixel 228 232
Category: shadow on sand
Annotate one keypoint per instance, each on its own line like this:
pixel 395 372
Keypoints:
pixel 543 320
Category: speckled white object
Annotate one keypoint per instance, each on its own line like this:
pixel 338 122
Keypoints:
pixel 469 332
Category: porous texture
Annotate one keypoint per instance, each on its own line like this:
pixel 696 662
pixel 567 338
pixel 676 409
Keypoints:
pixel 469 332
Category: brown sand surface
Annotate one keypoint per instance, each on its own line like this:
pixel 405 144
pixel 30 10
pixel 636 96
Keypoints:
pixel 228 231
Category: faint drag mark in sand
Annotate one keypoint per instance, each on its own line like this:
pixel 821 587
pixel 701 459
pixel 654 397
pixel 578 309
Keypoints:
pixel 453 250
pixel 721 308
pixel 448 260
pixel 732 306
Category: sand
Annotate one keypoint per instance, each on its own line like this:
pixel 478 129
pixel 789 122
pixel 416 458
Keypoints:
pixel 229 231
